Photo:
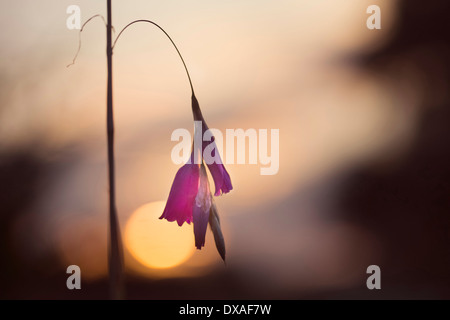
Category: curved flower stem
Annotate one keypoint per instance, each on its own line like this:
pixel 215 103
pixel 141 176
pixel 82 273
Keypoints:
pixel 176 48
pixel 115 251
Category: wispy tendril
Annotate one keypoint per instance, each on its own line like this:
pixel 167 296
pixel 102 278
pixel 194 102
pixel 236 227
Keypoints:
pixel 79 36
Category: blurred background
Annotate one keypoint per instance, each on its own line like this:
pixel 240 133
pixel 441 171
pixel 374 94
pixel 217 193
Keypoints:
pixel 364 148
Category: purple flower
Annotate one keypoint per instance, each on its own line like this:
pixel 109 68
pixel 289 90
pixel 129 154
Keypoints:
pixel 182 195
pixel 190 198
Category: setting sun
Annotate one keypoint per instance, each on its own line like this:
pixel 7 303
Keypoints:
pixel 157 243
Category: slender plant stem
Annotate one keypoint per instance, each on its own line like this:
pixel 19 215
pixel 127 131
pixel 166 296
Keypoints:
pixel 115 252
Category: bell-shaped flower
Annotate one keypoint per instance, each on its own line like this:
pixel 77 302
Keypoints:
pixel 190 200
pixel 182 195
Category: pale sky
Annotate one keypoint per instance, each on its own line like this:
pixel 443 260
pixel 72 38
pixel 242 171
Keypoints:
pixel 254 64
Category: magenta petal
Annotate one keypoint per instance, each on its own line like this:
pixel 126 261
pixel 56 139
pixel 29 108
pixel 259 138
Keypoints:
pixel 220 175
pixel 221 178
pixel 182 195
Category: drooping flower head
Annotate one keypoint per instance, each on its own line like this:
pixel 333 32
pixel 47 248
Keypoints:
pixel 190 198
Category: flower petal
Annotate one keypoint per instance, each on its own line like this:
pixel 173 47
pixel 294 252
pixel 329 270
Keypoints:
pixel 221 178
pixel 200 212
pixel 219 174
pixel 182 195
pixel 200 219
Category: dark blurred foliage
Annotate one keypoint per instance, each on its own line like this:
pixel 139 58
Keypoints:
pixel 21 175
pixel 405 204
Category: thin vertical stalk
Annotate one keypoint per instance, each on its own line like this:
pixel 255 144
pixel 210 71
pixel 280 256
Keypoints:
pixel 115 253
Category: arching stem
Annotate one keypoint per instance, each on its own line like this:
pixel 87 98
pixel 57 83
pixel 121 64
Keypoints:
pixel 173 43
